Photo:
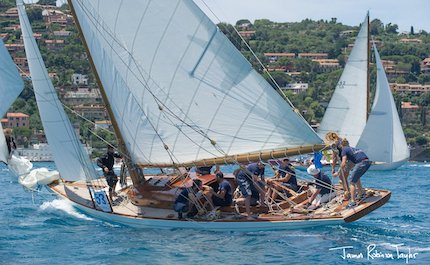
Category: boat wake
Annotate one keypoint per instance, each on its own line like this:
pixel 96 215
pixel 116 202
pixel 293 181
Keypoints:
pixel 64 206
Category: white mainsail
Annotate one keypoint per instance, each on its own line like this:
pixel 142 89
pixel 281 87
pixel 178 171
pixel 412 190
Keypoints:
pixel 346 113
pixel 175 82
pixel 69 157
pixel 11 85
pixel 383 139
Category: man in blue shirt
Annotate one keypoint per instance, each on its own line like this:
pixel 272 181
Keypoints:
pixel 224 195
pixel 324 190
pixel 183 203
pixel 362 164
pixel 249 181
pixel 285 176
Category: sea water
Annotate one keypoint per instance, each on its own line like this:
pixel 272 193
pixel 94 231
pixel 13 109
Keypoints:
pixel 42 229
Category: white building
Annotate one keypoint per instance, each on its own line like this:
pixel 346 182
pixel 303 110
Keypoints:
pixel 296 87
pixel 78 79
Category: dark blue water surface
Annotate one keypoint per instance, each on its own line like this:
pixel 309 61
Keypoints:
pixel 41 229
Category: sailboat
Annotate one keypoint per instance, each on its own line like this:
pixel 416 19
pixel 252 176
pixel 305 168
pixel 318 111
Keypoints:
pixel 179 95
pixel 378 133
pixel 11 85
pixel 383 137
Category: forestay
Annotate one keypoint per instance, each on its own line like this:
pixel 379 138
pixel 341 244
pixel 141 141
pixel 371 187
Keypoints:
pixel 346 113
pixel 175 82
pixel 69 156
pixel 11 85
pixel 383 138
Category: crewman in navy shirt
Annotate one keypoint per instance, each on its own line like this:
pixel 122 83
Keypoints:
pixel 250 181
pixel 224 196
pixel 362 164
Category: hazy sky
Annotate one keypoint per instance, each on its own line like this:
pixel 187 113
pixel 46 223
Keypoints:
pixel 404 13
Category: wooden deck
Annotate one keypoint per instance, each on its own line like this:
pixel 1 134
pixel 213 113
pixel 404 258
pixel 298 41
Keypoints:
pixel 157 203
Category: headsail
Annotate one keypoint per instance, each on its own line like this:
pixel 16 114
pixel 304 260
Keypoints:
pixel 179 90
pixel 383 138
pixel 346 113
pixel 70 158
pixel 11 85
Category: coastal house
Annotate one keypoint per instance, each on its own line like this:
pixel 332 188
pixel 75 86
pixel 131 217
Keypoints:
pixel 62 33
pixel 54 45
pixel 296 88
pixel 91 111
pixel 327 65
pixel 273 56
pixel 17 119
pixel 410 88
pixel 79 79
pixel 21 62
pixel 14 47
pixel 425 65
pixel 410 41
pixel 247 34
pixel 313 56
pixel 11 13
pixel 82 96
pixel 103 124
pixel 52 16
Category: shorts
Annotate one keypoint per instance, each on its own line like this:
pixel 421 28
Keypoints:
pixel 111 180
pixel 245 186
pixel 220 202
pixel 181 207
pixel 323 198
pixel 290 186
pixel 359 170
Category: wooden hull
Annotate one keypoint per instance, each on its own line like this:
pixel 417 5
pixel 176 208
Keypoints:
pixel 147 217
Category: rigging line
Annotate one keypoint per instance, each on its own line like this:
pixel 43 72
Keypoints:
pixel 321 183
pixel 147 88
pixel 172 158
pixel 170 112
pixel 145 84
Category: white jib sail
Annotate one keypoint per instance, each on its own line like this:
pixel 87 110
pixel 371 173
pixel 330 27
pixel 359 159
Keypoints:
pixel 383 139
pixel 346 113
pixel 11 85
pixel 70 158
pixel 175 81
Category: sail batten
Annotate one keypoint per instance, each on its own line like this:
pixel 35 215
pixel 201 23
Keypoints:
pixel 69 156
pixel 176 85
pixel 346 113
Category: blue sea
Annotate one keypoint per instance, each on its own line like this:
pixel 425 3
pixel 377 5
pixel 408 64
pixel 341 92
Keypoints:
pixel 42 229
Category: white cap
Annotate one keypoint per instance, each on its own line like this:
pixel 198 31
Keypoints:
pixel 312 170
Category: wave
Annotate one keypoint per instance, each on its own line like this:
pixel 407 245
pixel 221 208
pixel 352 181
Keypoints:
pixel 64 206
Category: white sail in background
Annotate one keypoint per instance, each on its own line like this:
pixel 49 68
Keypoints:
pixel 174 81
pixel 383 139
pixel 11 85
pixel 346 113
pixel 69 157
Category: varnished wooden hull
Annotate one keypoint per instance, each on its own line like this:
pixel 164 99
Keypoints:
pixel 162 219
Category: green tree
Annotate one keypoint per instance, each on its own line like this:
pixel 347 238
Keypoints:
pixel 421 140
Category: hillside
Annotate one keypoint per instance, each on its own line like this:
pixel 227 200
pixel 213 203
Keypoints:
pixel 308 52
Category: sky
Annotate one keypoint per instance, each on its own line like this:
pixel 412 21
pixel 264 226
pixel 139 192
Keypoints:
pixel 404 13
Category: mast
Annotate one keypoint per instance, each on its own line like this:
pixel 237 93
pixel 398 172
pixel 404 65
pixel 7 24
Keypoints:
pixel 135 177
pixel 368 68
